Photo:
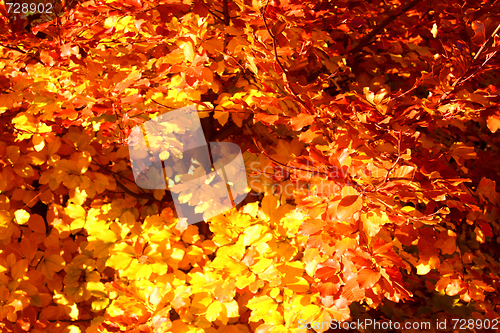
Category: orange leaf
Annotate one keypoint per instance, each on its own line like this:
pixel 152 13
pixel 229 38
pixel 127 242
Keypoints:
pixel 328 270
pixel 37 224
pixel 301 120
pixel 367 278
pixel 352 292
pixel 265 118
pixel 135 3
pixel 348 206
pixel 29 246
pixel 493 123
pixel 311 226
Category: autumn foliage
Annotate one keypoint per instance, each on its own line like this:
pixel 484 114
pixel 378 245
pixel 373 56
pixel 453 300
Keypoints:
pixel 370 135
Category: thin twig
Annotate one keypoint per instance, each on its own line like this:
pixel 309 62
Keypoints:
pixel 212 11
pixel 462 78
pixel 165 106
pixel 382 25
pixel 136 195
pixel 16 48
pixel 285 165
pixel 308 107
pixel 276 57
pixel 486 43
pixel 225 11
pixel 227 22
pixel 395 162
pixel 122 186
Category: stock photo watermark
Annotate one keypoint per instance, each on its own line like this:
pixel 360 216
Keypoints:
pixel 207 179
pixel 383 325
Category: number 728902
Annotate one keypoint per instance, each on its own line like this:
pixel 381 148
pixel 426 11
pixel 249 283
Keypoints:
pixel 25 7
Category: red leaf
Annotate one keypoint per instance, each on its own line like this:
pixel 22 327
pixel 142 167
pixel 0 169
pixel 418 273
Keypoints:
pixel 479 33
pixel 486 190
pixel 135 3
pixel 328 270
pixel 486 228
pixel 380 246
pixel 97 108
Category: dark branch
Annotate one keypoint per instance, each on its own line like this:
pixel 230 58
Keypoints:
pixel 366 40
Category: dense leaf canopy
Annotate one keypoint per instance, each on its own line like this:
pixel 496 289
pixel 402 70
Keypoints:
pixel 369 131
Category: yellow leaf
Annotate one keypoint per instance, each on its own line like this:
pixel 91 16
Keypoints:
pixel 38 142
pixel 251 64
pixel 310 312
pixel 21 216
pixel 72 311
pixel 75 211
pixel 78 195
pixel 261 265
pixel 213 310
pixel 138 271
pixel 188 49
pixel 231 309
pixel 372 222
pixel 245 280
pixel 424 266
pixel 96 289
pixel 73 328
pixel 434 30
pixel 119 261
pixel 100 304
pixel 260 307
pixel 253 234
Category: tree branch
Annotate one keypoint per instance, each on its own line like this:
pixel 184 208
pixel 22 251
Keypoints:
pixel 308 107
pixel 136 195
pixel 463 78
pixel 486 44
pixel 225 11
pixel 16 48
pixel 366 40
